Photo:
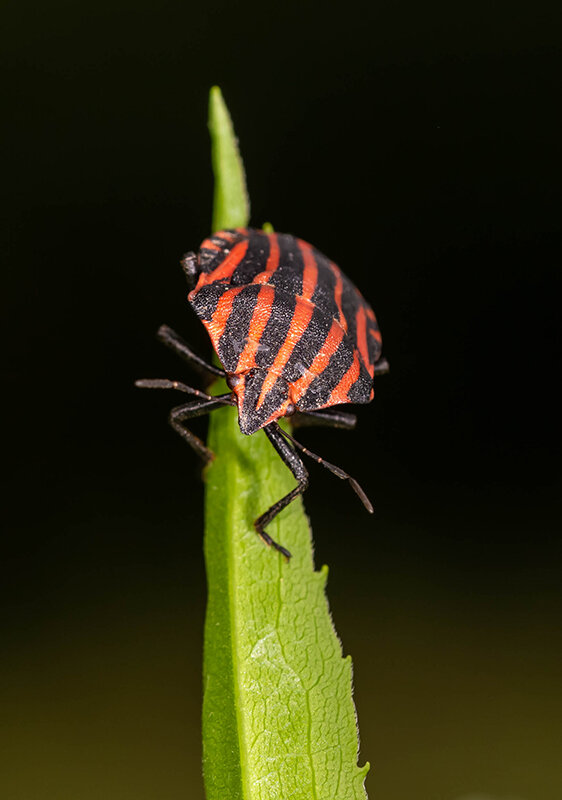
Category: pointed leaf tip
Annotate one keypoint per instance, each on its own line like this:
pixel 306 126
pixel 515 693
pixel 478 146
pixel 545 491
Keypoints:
pixel 231 206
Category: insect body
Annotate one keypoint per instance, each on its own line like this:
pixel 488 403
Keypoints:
pixel 293 335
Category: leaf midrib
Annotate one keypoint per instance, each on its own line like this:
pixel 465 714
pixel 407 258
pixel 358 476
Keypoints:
pixel 235 643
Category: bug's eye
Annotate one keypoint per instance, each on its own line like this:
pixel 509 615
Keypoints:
pixel 189 266
pixel 290 410
pixel 233 380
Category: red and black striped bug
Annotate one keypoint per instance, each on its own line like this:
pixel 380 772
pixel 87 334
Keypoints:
pixel 294 336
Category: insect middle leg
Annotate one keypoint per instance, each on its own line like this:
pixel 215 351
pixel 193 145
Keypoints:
pixel 197 408
pixel 340 473
pixel 295 464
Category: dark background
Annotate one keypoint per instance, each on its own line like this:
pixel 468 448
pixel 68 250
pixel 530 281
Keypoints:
pixel 417 146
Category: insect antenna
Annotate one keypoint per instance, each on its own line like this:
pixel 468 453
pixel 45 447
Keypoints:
pixel 336 470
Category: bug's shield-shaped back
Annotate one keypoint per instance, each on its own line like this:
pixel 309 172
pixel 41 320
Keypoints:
pixel 262 398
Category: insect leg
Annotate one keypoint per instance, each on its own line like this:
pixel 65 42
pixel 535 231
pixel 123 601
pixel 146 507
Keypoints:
pixel 332 419
pixel 294 462
pixel 336 470
pixel 197 408
pixel 382 366
pixel 163 383
pixel 172 340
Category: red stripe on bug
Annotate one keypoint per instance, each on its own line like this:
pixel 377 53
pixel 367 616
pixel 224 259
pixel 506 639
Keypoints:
pixel 299 323
pixel 228 236
pixel 361 320
pixel 340 392
pixel 279 412
pixel 338 293
pixel 321 361
pixel 260 318
pixel 272 262
pixel 310 271
pixel 225 268
pixel 215 326
pixel 375 334
pixel 208 244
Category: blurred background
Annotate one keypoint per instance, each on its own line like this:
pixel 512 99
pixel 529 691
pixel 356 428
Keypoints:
pixel 418 147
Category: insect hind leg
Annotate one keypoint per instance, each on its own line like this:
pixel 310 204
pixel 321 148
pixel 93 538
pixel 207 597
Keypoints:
pixel 328 419
pixel 382 367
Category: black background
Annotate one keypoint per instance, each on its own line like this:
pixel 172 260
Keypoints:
pixel 417 146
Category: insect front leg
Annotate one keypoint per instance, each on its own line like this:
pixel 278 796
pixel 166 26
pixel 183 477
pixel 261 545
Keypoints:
pixel 295 464
pixel 197 408
pixel 204 404
pixel 175 342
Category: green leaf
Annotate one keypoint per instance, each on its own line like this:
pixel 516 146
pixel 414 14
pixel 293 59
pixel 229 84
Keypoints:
pixel 231 204
pixel 278 716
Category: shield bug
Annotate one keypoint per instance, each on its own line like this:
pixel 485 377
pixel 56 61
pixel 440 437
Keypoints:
pixel 293 335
